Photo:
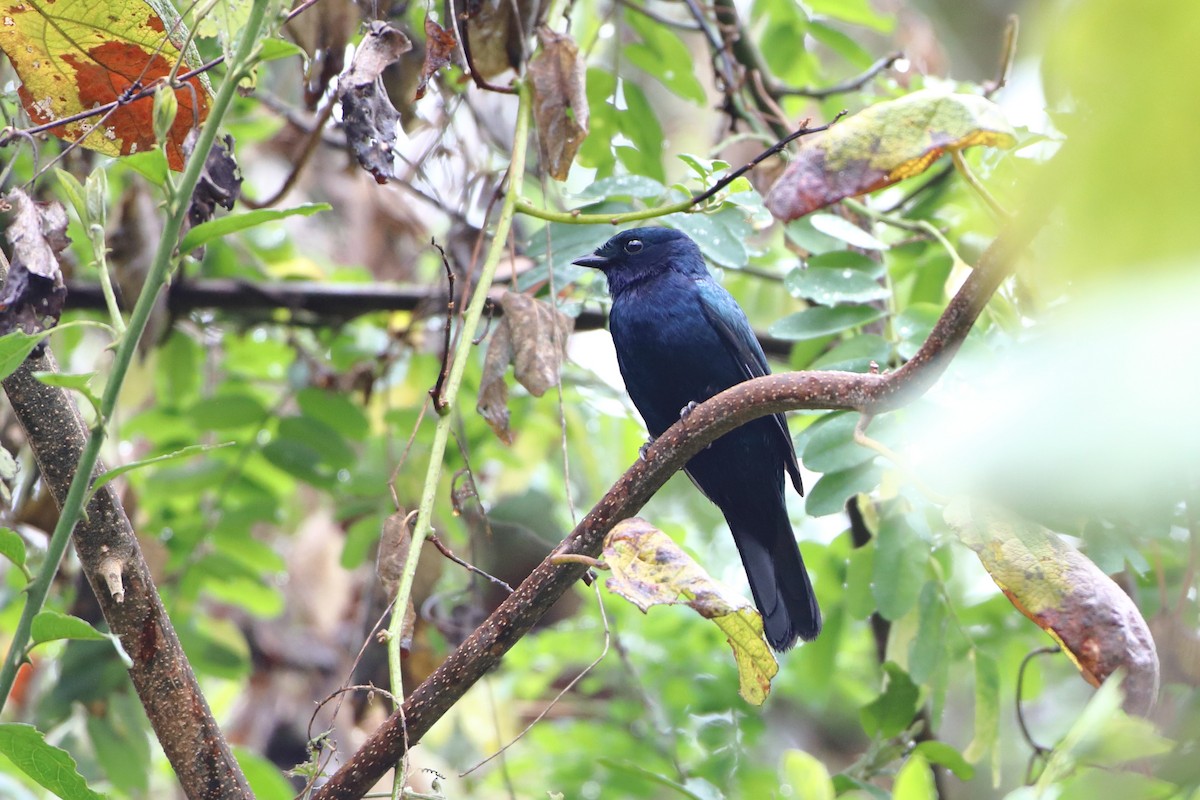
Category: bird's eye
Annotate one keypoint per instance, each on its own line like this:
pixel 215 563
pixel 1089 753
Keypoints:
pixel 633 246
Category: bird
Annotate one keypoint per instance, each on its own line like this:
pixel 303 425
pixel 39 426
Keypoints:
pixel 681 338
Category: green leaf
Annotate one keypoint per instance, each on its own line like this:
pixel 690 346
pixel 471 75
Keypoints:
pixel 937 752
pixel 822 321
pixel 178 455
pixel 828 444
pixel 721 237
pixel 50 767
pixel 856 354
pixel 830 493
pixel 830 286
pixel 228 411
pixel 928 646
pixel 119 737
pixel 12 546
pixel 15 347
pixel 893 710
pixel 987 711
pixel 73 382
pixel 336 410
pixel 847 231
pixel 51 625
pixel 807 776
pixel 914 781
pixel 70 186
pixel 858 12
pixel 265 779
pixel 912 326
pixel 860 565
pixel 150 164
pixel 901 556
pixel 848 259
pixel 633 186
pixel 662 54
pixel 845 46
pixel 205 232
pixel 639 122
pixel 274 49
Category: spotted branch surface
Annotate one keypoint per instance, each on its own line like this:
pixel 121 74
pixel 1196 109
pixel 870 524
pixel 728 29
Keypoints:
pixel 865 393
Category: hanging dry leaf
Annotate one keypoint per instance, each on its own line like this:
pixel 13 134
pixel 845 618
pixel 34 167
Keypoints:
pixel 395 540
pixel 649 569
pixel 884 144
pixel 497 33
pixel 34 293
pixel 440 47
pixel 219 184
pixel 560 107
pixel 532 336
pixel 368 116
pixel 74 55
pixel 1067 595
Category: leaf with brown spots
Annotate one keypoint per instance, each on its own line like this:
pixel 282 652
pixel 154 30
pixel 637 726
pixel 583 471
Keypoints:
pixel 1060 589
pixel 650 569
pixel 884 144
pixel 560 107
pixel 74 55
pixel 440 46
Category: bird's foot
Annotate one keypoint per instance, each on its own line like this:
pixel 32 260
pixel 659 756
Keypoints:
pixel 642 450
pixel 686 411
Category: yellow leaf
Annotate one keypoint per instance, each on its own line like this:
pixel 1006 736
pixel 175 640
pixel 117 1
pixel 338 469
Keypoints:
pixel 75 55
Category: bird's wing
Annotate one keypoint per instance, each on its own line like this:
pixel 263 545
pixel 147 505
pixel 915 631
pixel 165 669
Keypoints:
pixel 728 319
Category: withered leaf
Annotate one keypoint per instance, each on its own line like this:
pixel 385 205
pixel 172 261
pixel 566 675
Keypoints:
pixel 368 116
pixel 1067 595
pixel 440 46
pixel 884 144
pixel 649 569
pixel 33 296
pixel 395 540
pixel 560 107
pixel 219 184
pixel 532 336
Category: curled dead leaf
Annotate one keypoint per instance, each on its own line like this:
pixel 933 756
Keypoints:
pixel 1067 595
pixel 395 540
pixel 219 184
pixel 368 116
pixel 440 46
pixel 496 33
pixel 649 569
pixel 560 107
pixel 883 144
pixel 33 296
pixel 532 336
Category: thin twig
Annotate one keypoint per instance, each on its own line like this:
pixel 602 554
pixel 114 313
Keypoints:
pixel 314 138
pixel 439 402
pixel 1039 751
pixel 433 539
pixel 848 85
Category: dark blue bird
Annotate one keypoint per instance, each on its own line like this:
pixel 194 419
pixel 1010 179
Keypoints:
pixel 681 339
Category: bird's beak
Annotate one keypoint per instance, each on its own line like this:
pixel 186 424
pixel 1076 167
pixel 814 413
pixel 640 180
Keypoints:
pixel 594 261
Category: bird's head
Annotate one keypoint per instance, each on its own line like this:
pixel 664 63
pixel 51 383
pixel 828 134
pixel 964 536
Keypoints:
pixel 639 253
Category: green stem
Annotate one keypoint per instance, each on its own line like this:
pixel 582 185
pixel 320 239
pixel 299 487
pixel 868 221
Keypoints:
pixel 576 218
pixel 72 506
pixel 100 251
pixel 458 364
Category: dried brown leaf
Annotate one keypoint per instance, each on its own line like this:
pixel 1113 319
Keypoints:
pixel 560 107
pixel 532 336
pixel 440 47
pixel 395 540
pixel 368 116
pixel 33 295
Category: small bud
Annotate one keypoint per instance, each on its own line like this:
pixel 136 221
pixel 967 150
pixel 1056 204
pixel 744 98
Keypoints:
pixel 97 197
pixel 165 108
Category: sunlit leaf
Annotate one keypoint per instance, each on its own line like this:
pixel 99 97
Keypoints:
pixel 50 767
pixel 650 569
pixel 74 55
pixel 883 144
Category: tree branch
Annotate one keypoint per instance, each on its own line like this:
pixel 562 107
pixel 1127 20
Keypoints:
pixel 866 393
pixel 107 547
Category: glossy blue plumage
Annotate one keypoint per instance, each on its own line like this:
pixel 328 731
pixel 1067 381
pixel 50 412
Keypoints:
pixel 681 338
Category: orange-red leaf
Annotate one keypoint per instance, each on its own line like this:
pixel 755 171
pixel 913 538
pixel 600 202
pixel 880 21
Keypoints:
pixel 75 55
pixel 883 144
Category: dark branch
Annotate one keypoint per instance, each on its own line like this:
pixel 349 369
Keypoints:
pixel 866 393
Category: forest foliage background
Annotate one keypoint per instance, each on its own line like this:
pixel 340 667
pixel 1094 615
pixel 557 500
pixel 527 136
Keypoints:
pixel 285 374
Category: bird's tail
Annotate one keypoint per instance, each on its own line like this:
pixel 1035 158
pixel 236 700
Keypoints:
pixel 778 579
